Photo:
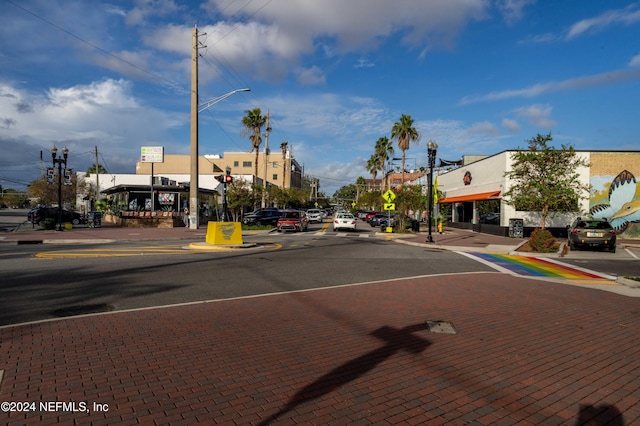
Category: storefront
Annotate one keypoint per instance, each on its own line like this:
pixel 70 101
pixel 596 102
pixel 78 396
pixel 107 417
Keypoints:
pixel 472 194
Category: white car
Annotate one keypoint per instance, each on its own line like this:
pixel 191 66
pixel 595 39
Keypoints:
pixel 344 221
pixel 314 215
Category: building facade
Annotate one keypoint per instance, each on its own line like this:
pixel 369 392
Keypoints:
pixel 611 175
pixel 165 185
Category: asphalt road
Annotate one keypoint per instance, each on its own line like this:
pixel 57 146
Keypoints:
pixel 41 282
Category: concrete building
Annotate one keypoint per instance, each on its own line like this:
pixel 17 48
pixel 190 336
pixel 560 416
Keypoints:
pixel 611 175
pixel 169 180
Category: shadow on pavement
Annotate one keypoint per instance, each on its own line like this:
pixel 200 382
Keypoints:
pixel 395 339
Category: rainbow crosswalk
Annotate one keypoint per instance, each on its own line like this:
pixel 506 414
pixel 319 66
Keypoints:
pixel 538 267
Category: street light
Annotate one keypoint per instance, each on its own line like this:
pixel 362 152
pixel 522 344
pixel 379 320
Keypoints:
pixel 432 148
pixel 193 185
pixel 59 161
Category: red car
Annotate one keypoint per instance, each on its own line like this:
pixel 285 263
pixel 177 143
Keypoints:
pixel 293 220
pixel 370 216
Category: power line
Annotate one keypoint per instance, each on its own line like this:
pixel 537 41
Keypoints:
pixel 98 48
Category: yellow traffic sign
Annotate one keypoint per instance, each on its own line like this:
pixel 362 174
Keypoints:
pixel 389 206
pixel 353 204
pixel 389 196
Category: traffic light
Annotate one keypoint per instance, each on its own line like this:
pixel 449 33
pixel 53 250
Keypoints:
pixel 228 179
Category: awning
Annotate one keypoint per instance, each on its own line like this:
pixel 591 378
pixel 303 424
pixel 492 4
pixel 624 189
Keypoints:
pixel 471 197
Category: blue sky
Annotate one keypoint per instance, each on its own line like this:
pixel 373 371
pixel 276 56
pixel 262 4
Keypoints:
pixel 477 76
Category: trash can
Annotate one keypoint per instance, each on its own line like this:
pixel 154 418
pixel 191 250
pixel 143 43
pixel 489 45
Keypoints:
pixel 95 219
pixel 415 225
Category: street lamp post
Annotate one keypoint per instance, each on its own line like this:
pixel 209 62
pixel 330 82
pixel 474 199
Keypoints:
pixel 432 148
pixel 193 185
pixel 59 161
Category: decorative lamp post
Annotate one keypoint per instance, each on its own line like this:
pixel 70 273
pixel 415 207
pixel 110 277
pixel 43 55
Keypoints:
pixel 432 148
pixel 59 161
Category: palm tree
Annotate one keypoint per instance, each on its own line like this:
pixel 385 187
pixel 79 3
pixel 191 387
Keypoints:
pixel 373 165
pixel 253 123
pixel 384 151
pixel 404 132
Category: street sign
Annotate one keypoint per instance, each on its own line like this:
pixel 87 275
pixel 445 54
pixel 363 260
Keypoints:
pixel 315 204
pixel 389 206
pixel 353 204
pixel 389 196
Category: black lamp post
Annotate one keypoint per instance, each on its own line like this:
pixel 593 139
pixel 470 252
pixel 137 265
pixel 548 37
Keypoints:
pixel 432 148
pixel 59 161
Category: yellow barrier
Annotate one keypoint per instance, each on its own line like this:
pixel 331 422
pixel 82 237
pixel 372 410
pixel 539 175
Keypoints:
pixel 224 233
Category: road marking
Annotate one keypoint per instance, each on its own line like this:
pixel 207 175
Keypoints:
pixel 538 267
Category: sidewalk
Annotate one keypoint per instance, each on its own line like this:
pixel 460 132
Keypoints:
pixel 484 349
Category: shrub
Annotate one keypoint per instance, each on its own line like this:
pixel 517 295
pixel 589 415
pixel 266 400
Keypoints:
pixel 48 223
pixel 542 241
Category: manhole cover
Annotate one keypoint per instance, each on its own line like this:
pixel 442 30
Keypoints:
pixel 442 327
pixel 70 311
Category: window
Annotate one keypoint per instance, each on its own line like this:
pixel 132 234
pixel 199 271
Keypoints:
pixel 274 177
pixel 246 164
pixel 235 164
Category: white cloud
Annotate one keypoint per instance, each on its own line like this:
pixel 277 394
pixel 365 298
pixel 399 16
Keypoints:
pixel 101 114
pixel 364 62
pixel 483 128
pixel 627 16
pixel 538 115
pixel 336 26
pixel 149 8
pixel 311 76
pixel 511 125
pixel 635 61
pixel 604 79
pixel 512 10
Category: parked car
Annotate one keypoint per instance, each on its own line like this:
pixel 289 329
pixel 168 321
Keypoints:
pixel 386 221
pixel 375 220
pixel 266 216
pixel 293 220
pixel 369 216
pixel 315 215
pixel 596 233
pixel 39 213
pixel 344 221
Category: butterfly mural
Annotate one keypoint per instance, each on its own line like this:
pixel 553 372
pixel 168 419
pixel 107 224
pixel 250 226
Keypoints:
pixel 622 208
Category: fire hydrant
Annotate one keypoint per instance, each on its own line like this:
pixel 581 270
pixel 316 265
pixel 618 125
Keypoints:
pixel 440 227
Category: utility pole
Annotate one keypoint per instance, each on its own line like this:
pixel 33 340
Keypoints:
pixel 98 178
pixel 193 184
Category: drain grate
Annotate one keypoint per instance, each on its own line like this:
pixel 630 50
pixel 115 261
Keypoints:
pixel 71 311
pixel 442 327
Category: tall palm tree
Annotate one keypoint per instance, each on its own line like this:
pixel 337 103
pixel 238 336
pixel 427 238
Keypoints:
pixel 253 123
pixel 373 165
pixel 384 151
pixel 404 132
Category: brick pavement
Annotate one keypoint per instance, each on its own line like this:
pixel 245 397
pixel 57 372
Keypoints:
pixel 525 352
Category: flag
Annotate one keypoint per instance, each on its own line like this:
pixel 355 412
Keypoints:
pixel 435 191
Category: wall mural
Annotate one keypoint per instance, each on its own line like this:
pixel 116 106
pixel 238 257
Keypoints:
pixel 620 204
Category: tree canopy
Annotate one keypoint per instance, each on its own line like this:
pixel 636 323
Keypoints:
pixel 546 179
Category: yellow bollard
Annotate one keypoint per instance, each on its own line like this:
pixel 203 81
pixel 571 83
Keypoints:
pixel 229 233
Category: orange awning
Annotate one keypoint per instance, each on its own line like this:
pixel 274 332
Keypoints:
pixel 471 197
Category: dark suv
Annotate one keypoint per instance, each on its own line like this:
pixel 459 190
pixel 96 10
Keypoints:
pixel 39 213
pixel 597 233
pixel 262 217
